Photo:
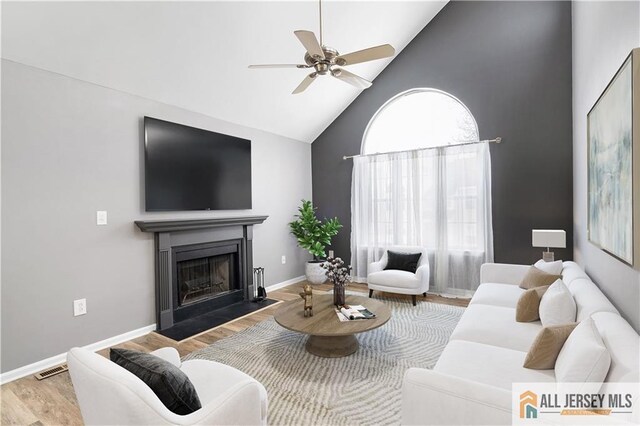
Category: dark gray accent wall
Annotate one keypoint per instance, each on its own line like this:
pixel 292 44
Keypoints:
pixel 510 63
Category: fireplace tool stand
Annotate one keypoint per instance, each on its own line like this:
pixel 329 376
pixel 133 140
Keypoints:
pixel 258 280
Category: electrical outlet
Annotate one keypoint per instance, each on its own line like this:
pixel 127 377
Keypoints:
pixel 331 253
pixel 101 217
pixel 79 307
pixel 284 259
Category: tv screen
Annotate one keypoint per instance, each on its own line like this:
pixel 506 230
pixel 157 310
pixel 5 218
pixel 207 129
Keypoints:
pixel 194 169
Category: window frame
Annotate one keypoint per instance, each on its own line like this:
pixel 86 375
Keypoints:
pixel 460 221
pixel 404 94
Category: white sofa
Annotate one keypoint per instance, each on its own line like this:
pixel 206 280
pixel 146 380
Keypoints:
pixel 110 395
pixel 471 382
pixel 401 282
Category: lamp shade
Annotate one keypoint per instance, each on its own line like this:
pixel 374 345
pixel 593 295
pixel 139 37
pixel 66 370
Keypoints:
pixel 555 238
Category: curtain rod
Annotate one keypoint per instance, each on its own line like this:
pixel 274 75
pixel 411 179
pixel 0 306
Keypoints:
pixel 496 140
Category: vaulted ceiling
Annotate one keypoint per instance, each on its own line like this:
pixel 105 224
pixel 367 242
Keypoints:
pixel 195 55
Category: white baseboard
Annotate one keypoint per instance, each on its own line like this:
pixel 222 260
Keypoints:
pixel 20 372
pixel 277 286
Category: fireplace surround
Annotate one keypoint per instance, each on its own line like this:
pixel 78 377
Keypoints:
pixel 201 265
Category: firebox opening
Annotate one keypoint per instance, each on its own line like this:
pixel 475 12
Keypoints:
pixel 206 277
pixel 200 279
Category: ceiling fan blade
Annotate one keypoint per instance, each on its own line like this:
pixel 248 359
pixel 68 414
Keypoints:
pixel 279 66
pixel 351 78
pixel 305 83
pixel 365 55
pixel 310 42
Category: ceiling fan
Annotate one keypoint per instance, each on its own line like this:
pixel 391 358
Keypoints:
pixel 326 60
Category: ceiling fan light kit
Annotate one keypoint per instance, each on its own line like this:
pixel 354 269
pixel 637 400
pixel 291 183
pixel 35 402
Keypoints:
pixel 326 60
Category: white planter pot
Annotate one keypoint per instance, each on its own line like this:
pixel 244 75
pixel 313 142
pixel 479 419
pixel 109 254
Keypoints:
pixel 315 273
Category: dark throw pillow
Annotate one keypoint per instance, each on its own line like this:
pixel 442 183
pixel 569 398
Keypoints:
pixel 171 385
pixel 402 261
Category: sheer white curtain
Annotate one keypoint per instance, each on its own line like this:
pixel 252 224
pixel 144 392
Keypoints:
pixel 439 198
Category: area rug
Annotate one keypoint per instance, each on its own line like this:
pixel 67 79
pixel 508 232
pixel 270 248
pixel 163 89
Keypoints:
pixel 363 388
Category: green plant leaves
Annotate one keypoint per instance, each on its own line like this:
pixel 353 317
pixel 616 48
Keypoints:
pixel 312 234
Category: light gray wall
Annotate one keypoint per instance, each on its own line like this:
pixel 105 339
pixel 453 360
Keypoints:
pixel 510 63
pixel 71 148
pixel 603 35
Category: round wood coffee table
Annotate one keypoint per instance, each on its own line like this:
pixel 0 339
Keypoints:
pixel 328 337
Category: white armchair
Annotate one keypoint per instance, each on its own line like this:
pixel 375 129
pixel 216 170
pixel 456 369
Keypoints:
pixel 109 394
pixel 402 282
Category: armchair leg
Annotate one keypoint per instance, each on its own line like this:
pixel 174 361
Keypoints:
pixel 424 294
pixel 413 299
pixel 370 293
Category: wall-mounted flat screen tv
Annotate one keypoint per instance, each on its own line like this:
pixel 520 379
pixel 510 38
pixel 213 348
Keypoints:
pixel 194 169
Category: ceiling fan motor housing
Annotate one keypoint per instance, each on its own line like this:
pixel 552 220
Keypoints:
pixel 322 66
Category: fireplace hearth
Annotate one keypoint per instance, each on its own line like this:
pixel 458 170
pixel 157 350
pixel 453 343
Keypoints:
pixel 202 265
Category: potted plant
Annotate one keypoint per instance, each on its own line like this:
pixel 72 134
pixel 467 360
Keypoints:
pixel 313 236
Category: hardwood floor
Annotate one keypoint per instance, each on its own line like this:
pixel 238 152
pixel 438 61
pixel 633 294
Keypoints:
pixel 52 401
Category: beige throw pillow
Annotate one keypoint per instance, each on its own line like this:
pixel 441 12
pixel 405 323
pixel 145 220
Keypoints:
pixel 529 303
pixel 547 346
pixel 537 278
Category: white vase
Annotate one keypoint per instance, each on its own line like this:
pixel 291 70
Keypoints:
pixel 315 273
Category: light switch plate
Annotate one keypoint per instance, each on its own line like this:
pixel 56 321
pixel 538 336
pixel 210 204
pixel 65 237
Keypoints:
pixel 101 217
pixel 330 253
pixel 284 259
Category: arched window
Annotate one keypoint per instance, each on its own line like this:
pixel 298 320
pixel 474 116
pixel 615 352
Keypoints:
pixel 419 118
pixel 422 181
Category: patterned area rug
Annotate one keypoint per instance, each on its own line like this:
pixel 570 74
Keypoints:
pixel 363 388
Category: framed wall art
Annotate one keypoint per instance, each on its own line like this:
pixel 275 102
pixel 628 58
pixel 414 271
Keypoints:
pixel 614 165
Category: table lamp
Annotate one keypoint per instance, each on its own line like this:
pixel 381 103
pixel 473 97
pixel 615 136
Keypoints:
pixel 549 238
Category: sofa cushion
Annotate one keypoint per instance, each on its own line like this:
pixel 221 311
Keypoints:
pixel 557 306
pixel 394 278
pixel 528 307
pixel 402 261
pixel 497 326
pixel 584 358
pixel 537 278
pixel 505 295
pixel 589 299
pixel 168 382
pixel 554 268
pixel 623 343
pixel 571 271
pixel 488 364
pixel 545 349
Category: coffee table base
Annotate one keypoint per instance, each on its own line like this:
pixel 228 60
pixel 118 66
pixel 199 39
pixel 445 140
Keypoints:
pixel 332 346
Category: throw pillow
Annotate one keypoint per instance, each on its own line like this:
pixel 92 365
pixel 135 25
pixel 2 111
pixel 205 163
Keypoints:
pixel 529 304
pixel 537 278
pixel 167 381
pixel 402 261
pixel 547 345
pixel 557 306
pixel 554 268
pixel 584 358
